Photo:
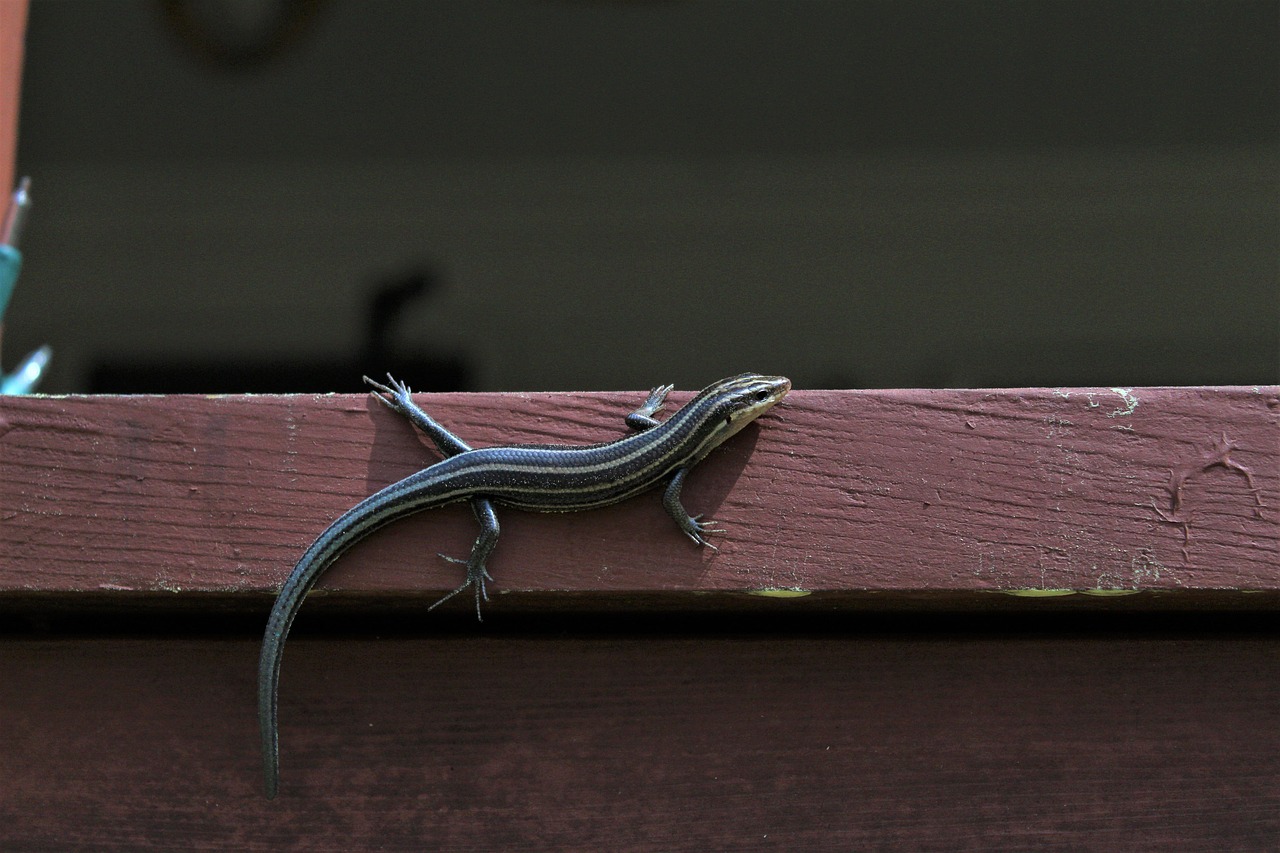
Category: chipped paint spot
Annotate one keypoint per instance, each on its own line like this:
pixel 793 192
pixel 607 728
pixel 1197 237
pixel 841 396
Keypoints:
pixel 1145 568
pixel 1130 402
pixel 780 592
pixel 1057 425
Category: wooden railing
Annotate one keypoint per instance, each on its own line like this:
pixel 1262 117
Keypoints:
pixel 808 685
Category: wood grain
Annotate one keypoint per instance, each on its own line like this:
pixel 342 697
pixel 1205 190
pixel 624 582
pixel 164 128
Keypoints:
pixel 855 495
pixel 771 742
pixel 754 734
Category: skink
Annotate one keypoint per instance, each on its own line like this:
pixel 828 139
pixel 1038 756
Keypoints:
pixel 544 478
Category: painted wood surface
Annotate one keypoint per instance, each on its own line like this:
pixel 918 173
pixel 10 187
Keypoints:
pixel 771 742
pixel 846 731
pixel 858 495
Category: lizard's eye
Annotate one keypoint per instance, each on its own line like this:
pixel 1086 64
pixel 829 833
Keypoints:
pixel 761 396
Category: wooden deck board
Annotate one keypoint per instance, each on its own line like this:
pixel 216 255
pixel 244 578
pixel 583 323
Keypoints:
pixel 758 732
pixel 622 742
pixel 885 493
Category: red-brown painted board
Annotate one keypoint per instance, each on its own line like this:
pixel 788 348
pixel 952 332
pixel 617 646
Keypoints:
pixel 621 743
pixel 882 492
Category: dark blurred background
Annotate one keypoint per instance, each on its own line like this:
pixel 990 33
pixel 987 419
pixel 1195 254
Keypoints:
pixel 278 196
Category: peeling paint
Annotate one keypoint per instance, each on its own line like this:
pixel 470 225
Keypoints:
pixel 780 592
pixel 1219 456
pixel 1130 402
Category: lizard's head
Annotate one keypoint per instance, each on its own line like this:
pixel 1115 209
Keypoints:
pixel 737 401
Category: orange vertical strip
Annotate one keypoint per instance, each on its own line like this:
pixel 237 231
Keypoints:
pixel 13 27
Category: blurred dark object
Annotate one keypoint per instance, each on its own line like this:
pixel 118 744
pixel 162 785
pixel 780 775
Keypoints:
pixel 386 306
pixel 240 34
pixel 424 372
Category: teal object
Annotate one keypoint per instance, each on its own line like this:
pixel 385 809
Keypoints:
pixel 24 378
pixel 10 266
pixel 27 374
pixel 10 258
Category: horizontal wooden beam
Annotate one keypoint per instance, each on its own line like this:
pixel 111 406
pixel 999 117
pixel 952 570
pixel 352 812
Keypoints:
pixel 857 496
pixel 646 743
